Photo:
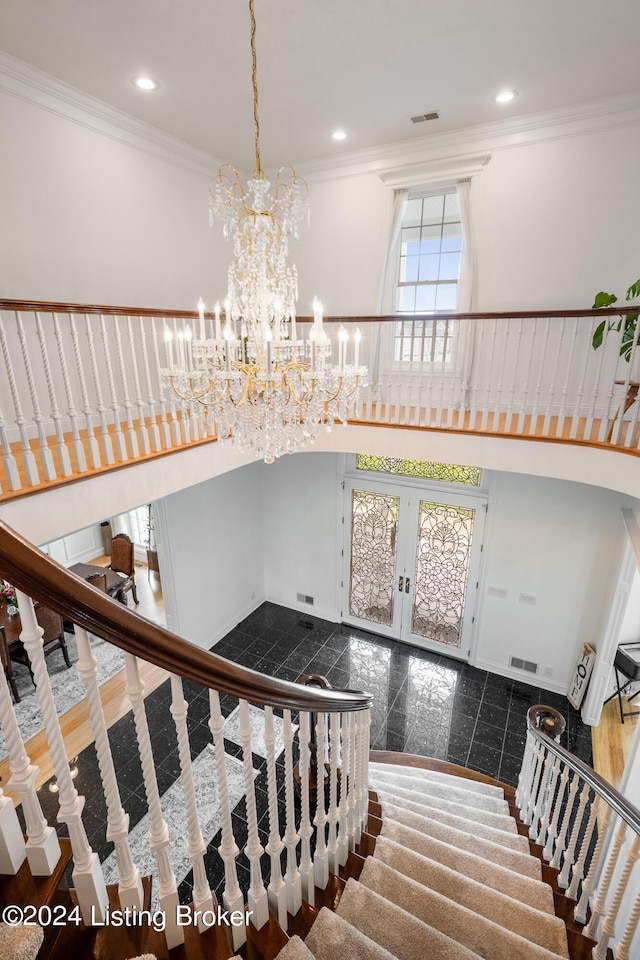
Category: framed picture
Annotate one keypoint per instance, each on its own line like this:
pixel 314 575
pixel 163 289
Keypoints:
pixel 580 680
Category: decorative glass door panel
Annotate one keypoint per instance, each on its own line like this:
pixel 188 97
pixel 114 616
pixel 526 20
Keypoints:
pixel 441 572
pixel 373 552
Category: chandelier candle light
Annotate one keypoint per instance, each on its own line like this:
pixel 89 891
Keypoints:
pixel 268 391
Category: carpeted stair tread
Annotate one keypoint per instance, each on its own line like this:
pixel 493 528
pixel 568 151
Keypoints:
pixel 420 774
pixel 404 936
pixel 533 892
pixel 435 788
pixel 404 814
pixel 20 943
pixel 479 934
pixel 295 949
pixel 515 860
pixel 413 800
pixel 332 938
pixel 539 926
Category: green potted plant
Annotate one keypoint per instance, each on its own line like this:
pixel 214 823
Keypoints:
pixel 629 320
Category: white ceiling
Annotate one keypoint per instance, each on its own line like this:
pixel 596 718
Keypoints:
pixel 365 65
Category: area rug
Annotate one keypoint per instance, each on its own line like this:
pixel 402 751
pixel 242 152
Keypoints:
pixel 256 719
pixel 173 809
pixel 68 689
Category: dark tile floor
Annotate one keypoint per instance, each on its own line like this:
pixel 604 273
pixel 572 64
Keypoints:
pixel 424 703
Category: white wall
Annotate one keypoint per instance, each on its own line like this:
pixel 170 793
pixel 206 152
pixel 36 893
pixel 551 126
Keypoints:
pixel 212 554
pixel 630 630
pixel 77 547
pixel 89 219
pixel 302 497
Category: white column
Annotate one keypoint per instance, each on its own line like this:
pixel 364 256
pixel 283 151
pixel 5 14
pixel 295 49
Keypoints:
pixel 276 890
pixel 158 832
pixel 292 877
pixel 306 829
pixel 257 894
pixel 129 883
pixel 46 457
pixel 228 849
pixel 87 875
pixel 61 446
pixel 42 849
pixel 78 448
pixel 196 847
pixel 105 438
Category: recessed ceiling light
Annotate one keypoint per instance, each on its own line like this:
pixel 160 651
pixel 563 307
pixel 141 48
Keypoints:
pixel 339 135
pixel 145 83
pixel 505 96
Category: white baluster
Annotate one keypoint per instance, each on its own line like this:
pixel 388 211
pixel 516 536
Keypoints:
pixel 46 457
pixel 64 459
pixel 228 849
pixel 185 426
pixel 548 802
pixel 599 903
pixel 555 819
pixel 306 829
pixel 506 325
pixel 563 879
pixel 527 378
pixel 105 437
pixel 535 830
pixel 514 377
pixel 332 843
pixel 606 419
pixel 196 847
pixel 351 786
pixel 440 420
pixel 588 427
pixel 525 777
pixel 609 922
pixel 533 425
pixel 154 432
pixel 87 873
pixel 132 437
pixel 528 813
pixel 28 459
pixel 580 912
pixel 256 895
pixel 158 831
pixel 42 848
pixel 578 870
pixel 142 425
pixel 321 859
pixel 165 430
pixel 121 445
pixel 77 445
pixel 343 834
pixel 621 950
pixel 551 389
pixel 293 881
pixel 12 848
pixel 567 377
pixel 484 422
pixel 276 891
pixel 92 443
pixel 365 764
pixel 8 459
pixel 566 819
pixel 474 399
pixel 616 434
pixel 129 883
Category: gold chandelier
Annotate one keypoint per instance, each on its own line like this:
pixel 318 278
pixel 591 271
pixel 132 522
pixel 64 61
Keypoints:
pixel 269 391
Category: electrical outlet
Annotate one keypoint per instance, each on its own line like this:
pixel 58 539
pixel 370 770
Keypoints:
pixel 547 671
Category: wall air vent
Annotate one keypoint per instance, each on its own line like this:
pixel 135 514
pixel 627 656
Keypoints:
pixel 303 598
pixel 421 117
pixel 524 665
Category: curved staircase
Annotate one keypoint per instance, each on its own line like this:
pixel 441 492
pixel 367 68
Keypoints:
pixel 397 857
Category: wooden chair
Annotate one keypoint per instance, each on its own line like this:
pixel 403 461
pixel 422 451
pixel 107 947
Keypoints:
pixel 52 638
pixel 99 581
pixel 122 563
pixel 5 659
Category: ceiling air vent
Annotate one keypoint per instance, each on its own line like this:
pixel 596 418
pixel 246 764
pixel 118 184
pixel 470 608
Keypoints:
pixel 303 598
pixel 421 117
pixel 524 665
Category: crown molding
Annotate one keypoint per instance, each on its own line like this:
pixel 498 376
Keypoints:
pixel 27 83
pixel 561 123
pixel 441 171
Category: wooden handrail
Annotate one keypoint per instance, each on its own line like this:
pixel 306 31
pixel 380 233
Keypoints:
pixel 37 575
pixel 50 307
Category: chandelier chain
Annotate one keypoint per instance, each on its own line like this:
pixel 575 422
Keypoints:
pixel 254 84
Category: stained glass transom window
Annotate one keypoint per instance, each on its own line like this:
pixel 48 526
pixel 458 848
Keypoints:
pixel 421 469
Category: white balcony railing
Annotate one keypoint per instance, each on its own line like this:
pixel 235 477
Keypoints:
pixel 82 390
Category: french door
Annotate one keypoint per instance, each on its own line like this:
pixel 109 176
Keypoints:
pixel 412 564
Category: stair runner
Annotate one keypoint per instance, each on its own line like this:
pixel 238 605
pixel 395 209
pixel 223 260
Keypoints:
pixel 450 877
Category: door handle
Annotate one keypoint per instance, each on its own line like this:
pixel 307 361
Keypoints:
pixel 407 584
pixel 400 583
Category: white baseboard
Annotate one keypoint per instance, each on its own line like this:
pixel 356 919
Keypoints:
pixel 533 679
pixel 231 623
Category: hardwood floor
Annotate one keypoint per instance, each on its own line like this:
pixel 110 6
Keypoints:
pixel 75 724
pixel 612 743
